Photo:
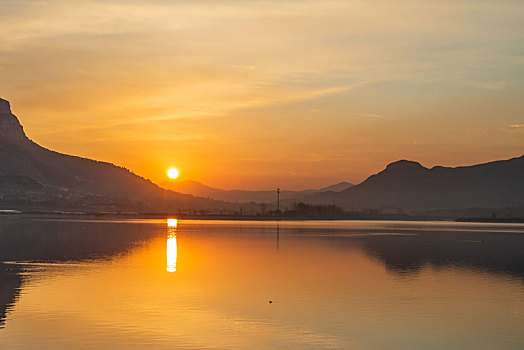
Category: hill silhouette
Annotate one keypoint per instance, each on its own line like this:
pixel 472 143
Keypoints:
pixel 32 176
pixel 31 172
pixel 407 185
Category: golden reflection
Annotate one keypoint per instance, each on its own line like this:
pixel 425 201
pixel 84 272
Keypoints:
pixel 171 244
pixel 172 223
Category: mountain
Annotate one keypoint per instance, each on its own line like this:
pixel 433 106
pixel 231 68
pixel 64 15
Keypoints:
pixel 190 187
pixel 31 174
pixel 198 189
pixel 407 185
pixel 341 186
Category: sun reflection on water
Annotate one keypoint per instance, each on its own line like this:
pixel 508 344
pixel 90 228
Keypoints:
pixel 172 223
pixel 171 244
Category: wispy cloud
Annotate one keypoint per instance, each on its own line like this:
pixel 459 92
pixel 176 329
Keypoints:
pixel 490 86
pixel 370 115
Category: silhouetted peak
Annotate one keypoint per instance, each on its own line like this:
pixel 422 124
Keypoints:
pixel 404 164
pixel 10 128
pixel 5 107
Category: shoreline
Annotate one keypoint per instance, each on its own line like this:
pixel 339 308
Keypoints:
pixel 237 217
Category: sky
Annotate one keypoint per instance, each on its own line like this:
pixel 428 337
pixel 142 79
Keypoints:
pixel 265 94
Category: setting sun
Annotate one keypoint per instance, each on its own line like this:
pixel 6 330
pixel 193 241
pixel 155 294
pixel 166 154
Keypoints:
pixel 172 173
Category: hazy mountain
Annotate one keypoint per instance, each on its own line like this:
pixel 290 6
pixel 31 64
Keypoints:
pixel 34 173
pixel 199 189
pixel 190 187
pixel 407 185
pixel 341 186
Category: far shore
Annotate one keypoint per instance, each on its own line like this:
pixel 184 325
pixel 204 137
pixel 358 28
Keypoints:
pixel 238 217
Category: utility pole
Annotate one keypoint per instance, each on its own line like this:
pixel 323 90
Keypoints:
pixel 278 200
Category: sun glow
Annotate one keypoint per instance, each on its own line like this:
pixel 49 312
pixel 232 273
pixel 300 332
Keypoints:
pixel 172 173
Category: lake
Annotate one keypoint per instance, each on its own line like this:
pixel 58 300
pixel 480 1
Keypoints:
pixel 197 284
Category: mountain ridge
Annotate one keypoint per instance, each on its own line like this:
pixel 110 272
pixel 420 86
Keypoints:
pixel 32 174
pixel 35 173
pixel 407 185
pixel 264 196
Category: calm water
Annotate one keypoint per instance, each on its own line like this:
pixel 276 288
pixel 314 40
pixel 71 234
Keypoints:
pixel 207 284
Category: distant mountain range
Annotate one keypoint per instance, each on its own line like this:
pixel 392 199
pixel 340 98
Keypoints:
pixel 243 196
pixel 407 185
pixel 31 175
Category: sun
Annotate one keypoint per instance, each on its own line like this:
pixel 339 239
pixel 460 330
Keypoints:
pixel 172 173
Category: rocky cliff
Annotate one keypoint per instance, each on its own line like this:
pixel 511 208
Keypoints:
pixel 10 128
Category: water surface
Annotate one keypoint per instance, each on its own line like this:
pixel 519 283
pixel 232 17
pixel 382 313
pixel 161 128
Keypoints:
pixel 99 284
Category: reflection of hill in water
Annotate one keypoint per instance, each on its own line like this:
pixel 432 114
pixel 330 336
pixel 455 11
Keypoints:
pixel 9 287
pixel 26 240
pixel 406 251
pixel 496 253
pixel 52 241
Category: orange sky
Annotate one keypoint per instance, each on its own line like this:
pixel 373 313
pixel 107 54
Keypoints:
pixel 260 94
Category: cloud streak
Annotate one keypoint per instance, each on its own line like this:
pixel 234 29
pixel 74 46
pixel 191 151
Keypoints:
pixel 370 115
